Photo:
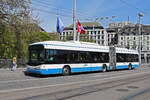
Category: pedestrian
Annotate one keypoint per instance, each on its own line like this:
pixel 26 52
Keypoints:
pixel 14 63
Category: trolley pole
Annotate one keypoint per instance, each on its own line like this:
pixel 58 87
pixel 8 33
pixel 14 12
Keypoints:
pixel 74 21
pixel 140 15
pixel 112 52
pixel 112 57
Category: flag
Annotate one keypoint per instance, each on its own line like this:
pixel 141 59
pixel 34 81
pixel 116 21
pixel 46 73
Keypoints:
pixel 60 25
pixel 80 28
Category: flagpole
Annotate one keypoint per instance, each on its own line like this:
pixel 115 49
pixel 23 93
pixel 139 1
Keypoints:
pixel 74 21
pixel 78 36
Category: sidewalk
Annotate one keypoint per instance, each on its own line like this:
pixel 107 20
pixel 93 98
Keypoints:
pixel 10 69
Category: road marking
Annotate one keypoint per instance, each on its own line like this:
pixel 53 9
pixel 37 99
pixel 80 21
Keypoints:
pixel 71 83
pixel 121 73
pixel 100 75
pixel 137 94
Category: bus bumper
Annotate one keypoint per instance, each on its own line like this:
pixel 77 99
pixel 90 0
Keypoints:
pixel 43 71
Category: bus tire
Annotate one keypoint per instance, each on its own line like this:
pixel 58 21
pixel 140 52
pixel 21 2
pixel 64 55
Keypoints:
pixel 104 69
pixel 66 70
pixel 130 66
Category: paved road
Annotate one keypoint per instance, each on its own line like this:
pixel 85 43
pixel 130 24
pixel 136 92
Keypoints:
pixel 114 85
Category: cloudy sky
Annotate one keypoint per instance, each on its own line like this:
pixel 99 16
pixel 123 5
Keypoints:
pixel 89 10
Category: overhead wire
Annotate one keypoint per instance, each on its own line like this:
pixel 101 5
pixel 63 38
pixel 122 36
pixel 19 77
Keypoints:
pixel 50 12
pixel 133 6
pixel 54 6
pixel 59 11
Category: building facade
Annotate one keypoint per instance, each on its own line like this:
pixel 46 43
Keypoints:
pixel 128 37
pixel 93 31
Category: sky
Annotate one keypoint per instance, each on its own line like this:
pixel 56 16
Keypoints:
pixel 89 10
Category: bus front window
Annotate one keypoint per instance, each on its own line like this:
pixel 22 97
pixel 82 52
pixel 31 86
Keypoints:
pixel 36 56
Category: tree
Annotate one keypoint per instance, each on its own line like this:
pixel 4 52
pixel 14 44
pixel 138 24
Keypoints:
pixel 17 27
pixel 54 36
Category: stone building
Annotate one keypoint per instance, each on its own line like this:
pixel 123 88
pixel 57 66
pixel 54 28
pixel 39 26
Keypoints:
pixel 128 37
pixel 93 31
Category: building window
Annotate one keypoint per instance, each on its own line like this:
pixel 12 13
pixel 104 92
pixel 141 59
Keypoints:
pixel 88 32
pixel 147 42
pixel 147 37
pixel 102 37
pixel 147 33
pixel 95 32
pixel 112 35
pixel 66 33
pixel 121 38
pixel 148 48
pixel 102 32
pixel 63 33
pixel 121 43
pixel 102 42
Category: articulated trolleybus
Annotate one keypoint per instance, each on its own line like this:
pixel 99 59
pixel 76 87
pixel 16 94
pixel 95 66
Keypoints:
pixel 53 57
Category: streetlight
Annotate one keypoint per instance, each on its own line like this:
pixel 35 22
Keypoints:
pixel 139 15
pixel 74 20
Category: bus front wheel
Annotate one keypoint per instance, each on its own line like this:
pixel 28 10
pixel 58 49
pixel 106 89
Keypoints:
pixel 130 66
pixel 104 69
pixel 66 71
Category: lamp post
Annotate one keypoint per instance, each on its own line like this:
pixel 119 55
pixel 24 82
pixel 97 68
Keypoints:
pixel 74 21
pixel 139 15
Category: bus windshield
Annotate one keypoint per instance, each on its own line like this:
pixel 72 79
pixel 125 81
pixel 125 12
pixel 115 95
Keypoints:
pixel 36 55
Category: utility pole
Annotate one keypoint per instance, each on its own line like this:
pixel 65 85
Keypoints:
pixel 74 21
pixel 112 52
pixel 112 56
pixel 140 15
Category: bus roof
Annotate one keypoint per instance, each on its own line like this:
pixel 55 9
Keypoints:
pixel 81 46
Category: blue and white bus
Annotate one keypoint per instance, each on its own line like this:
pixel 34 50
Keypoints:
pixel 55 57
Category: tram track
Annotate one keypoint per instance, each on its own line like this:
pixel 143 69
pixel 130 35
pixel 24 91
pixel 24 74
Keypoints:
pixel 87 88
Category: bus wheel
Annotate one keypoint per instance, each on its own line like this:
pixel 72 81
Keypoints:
pixel 66 71
pixel 130 66
pixel 104 68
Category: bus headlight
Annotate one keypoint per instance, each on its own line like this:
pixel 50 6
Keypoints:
pixel 42 67
pixel 37 68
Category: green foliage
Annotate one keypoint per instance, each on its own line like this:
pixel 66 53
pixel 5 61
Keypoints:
pixel 54 36
pixel 68 37
pixel 18 29
pixel 41 36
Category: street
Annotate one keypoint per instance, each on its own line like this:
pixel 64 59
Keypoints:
pixel 113 85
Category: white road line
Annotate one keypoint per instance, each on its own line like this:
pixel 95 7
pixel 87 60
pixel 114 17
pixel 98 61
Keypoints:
pixel 25 80
pixel 71 83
